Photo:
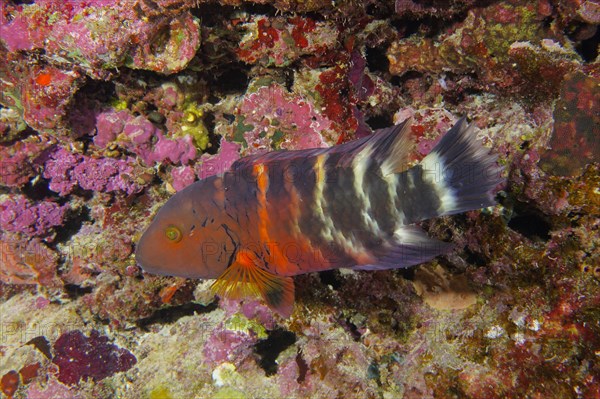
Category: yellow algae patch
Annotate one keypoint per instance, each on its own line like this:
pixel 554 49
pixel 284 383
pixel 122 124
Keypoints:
pixel 160 393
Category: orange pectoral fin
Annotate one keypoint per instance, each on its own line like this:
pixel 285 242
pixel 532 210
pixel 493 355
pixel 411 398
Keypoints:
pixel 243 278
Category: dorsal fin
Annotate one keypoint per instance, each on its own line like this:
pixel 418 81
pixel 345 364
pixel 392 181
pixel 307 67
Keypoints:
pixel 243 278
pixel 397 157
pixel 390 148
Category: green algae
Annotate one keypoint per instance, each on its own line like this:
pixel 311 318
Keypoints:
pixel 229 393
pixel 239 322
pixel 239 130
pixel 499 36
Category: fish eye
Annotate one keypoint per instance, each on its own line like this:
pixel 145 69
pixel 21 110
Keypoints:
pixel 173 234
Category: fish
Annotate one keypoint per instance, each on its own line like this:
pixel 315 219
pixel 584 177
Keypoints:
pixel 355 205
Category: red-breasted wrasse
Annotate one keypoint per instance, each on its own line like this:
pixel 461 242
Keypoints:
pixel 284 213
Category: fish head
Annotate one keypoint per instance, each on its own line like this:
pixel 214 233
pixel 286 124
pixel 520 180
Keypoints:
pixel 185 238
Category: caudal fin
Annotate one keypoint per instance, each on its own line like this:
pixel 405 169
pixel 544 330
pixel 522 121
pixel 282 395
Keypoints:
pixel 461 171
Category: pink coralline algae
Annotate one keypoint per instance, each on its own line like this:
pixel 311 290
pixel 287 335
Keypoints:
pixel 111 123
pixel 182 176
pixel 106 175
pixel 227 345
pixel 214 164
pixel 42 95
pixel 79 357
pixel 99 35
pixel 58 169
pixel 18 214
pixel 66 171
pixel 272 118
pixel 51 390
pixel 18 163
pixel 45 96
pixel 29 262
pixel 280 41
pixel 207 165
pixel 138 135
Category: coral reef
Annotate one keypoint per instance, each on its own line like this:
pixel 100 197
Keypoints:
pixel 504 45
pixel 97 36
pixel 108 108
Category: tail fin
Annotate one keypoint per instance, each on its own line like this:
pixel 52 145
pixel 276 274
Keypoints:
pixel 462 172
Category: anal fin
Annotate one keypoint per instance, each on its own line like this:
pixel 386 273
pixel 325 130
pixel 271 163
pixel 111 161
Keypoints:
pixel 411 247
pixel 243 278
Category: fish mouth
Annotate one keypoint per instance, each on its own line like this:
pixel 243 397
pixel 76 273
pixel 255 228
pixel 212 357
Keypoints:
pixel 142 260
pixel 149 267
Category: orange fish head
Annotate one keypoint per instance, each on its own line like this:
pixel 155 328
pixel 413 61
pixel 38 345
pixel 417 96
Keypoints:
pixel 186 238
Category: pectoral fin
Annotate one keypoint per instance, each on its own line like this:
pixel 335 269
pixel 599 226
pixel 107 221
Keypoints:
pixel 279 295
pixel 244 278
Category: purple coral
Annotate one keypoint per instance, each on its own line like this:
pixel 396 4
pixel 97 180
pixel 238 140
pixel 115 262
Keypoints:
pixel 66 171
pixel 18 214
pixel 58 169
pixel 79 357
pixel 106 174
